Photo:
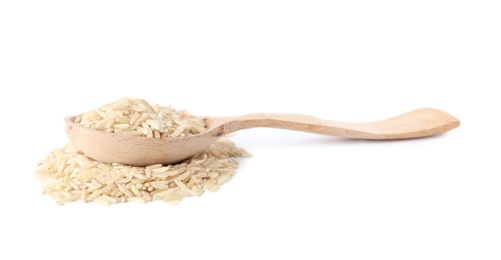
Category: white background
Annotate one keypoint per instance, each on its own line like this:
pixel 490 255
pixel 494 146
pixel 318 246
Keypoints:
pixel 301 195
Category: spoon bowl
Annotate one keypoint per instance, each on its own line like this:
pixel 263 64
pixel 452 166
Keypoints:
pixel 141 151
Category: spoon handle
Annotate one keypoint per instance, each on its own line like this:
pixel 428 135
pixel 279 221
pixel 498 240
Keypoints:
pixel 418 123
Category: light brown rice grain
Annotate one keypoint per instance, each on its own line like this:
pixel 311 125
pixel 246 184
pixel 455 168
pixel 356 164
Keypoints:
pixel 102 201
pixel 68 174
pixel 136 199
pixel 133 116
pixel 94 195
pixel 114 183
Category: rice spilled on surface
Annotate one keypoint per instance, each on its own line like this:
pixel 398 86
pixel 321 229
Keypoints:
pixel 69 175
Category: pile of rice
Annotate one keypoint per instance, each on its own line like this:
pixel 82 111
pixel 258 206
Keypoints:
pixel 135 116
pixel 69 175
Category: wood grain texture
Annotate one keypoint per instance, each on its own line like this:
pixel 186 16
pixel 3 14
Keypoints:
pixel 141 151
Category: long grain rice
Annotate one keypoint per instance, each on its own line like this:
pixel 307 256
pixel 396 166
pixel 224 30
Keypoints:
pixel 134 116
pixel 69 175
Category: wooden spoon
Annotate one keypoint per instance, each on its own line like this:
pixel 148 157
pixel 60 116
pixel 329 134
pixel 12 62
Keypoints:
pixel 142 151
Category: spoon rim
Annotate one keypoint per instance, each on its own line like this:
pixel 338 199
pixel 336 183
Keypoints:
pixel 133 150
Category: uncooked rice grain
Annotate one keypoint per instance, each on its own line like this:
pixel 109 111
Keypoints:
pixel 134 116
pixel 69 175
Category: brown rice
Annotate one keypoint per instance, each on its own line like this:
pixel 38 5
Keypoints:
pixel 134 116
pixel 69 175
